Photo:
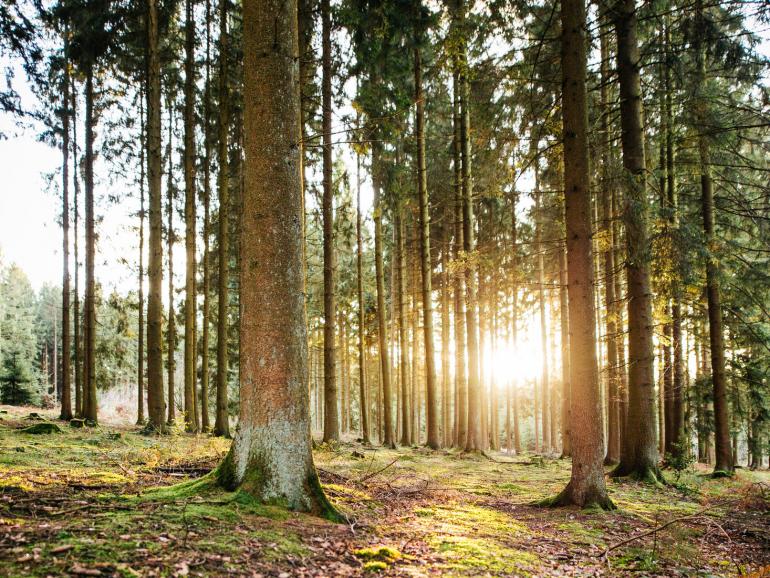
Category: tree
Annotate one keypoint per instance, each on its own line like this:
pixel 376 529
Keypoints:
pixel 331 418
pixel 271 454
pixel 222 420
pixel 66 397
pixel 156 406
pixel 639 454
pixel 586 486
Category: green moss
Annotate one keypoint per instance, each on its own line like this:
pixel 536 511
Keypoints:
pixel 384 554
pixel 279 543
pixel 374 566
pixel 42 428
pixel 475 556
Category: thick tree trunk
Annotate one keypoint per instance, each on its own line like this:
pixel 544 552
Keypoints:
pixel 586 486
pixel 431 397
pixel 639 456
pixel 190 353
pixel 331 418
pixel 66 345
pixel 156 406
pixel 271 456
pixel 89 346
pixel 222 420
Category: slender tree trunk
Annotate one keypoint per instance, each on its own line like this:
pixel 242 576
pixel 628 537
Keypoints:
pixel 89 384
pixel 66 345
pixel 586 486
pixel 403 363
pixel 156 406
pixel 724 462
pixel 222 420
pixel 610 298
pixel 271 455
pixel 206 315
pixel 514 322
pixel 331 418
pixel 170 239
pixel 431 397
pixel 566 384
pixel 76 243
pixel 140 348
pixel 362 392
pixel 461 380
pixel 445 328
pixel 639 456
pixel 379 265
pixel 545 386
pixel 190 356
pixel 473 441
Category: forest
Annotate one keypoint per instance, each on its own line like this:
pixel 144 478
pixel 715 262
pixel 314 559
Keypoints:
pixel 393 287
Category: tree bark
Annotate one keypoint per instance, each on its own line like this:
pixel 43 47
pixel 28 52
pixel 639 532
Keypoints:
pixel 566 385
pixel 271 456
pixel 140 345
pixel 362 391
pixel 545 385
pixel 66 345
pixel 77 353
pixel 639 455
pixel 222 420
pixel 403 363
pixel 331 401
pixel 190 354
pixel 156 406
pixel 586 486
pixel 89 337
pixel 170 239
pixel 461 380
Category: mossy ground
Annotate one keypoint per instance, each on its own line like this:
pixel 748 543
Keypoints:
pixel 87 500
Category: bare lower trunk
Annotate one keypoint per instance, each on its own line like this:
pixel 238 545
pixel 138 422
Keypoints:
pixel 363 400
pixel 89 337
pixel 66 345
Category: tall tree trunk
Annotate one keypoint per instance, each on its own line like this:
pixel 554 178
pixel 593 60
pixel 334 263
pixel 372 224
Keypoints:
pixel 78 358
pixel 222 420
pixel 89 382
pixel 271 456
pixel 190 352
pixel 379 265
pixel 66 345
pixel 331 418
pixel 586 486
pixel 566 384
pixel 473 441
pixel 170 239
pixel 611 306
pixel 399 271
pixel 461 380
pixel 639 456
pixel 156 406
pixel 545 386
pixel 206 315
pixel 362 392
pixel 445 328
pixel 724 461
pixel 431 397
pixel 140 348
pixel 514 323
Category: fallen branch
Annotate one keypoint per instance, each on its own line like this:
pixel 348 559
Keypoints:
pixel 378 472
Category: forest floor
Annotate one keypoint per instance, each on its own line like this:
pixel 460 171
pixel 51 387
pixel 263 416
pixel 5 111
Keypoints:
pixel 96 502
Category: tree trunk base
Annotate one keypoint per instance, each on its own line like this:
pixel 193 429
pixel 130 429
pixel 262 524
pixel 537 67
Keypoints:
pixel 717 474
pixel 641 473
pixel 590 498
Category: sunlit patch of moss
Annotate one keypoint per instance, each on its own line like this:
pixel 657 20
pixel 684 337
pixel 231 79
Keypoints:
pixel 345 493
pixel 385 554
pixel 468 555
pixel 374 566
pixel 278 543
pixel 583 533
pixel 478 520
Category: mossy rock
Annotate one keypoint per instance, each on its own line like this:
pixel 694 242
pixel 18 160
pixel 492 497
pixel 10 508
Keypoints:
pixel 42 428
pixel 34 416
pixel 77 423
